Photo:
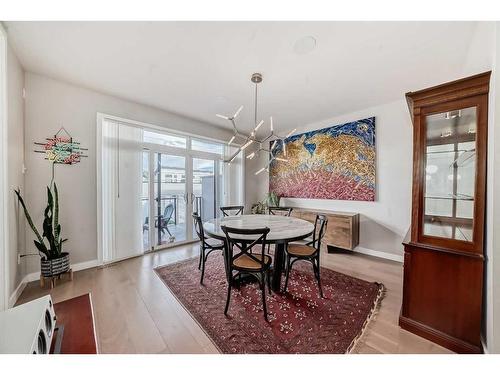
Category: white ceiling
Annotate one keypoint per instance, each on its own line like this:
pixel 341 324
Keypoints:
pixel 198 69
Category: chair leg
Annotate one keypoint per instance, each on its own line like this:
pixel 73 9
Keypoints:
pixel 201 256
pixel 268 276
pixel 316 273
pixel 166 227
pixel 288 266
pixel 229 285
pixel 203 267
pixel 263 288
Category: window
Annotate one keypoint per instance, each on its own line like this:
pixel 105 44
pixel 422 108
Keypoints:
pixel 165 139
pixel 207 146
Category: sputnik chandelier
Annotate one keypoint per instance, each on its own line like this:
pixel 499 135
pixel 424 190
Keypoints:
pixel 247 140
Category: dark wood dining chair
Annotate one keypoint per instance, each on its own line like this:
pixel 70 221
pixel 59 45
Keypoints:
pixel 309 251
pixel 232 210
pixel 276 210
pixel 256 263
pixel 283 211
pixel 207 245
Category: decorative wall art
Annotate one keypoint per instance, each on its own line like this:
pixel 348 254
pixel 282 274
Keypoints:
pixel 337 162
pixel 61 148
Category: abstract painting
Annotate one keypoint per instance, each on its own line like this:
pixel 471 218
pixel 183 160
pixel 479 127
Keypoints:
pixel 337 162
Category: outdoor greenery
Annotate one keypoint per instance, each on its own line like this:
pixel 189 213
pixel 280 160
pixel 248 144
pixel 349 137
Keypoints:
pixel 50 243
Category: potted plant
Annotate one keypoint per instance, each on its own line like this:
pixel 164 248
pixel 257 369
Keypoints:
pixel 53 261
pixel 271 200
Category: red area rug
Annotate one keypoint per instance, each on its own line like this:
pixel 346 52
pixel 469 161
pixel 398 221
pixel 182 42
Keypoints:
pixel 300 321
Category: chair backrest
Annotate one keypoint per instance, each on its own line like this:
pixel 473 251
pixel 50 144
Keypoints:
pixel 284 211
pixel 227 210
pixel 259 238
pixel 320 225
pixel 198 226
pixel 168 211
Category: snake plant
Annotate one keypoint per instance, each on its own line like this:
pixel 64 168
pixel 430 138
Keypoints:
pixel 49 243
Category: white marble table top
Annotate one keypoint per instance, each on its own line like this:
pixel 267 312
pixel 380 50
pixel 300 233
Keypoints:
pixel 282 228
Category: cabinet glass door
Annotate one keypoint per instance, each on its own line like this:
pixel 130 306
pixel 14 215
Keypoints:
pixel 450 170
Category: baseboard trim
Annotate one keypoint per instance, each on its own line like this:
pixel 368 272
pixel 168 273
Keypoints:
pixel 18 291
pixel 379 254
pixel 36 276
pixel 440 338
pixel 75 267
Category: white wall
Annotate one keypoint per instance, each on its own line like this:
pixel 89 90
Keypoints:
pixel 494 223
pixel 15 157
pixel 484 54
pixel 50 104
pixel 384 223
pixel 490 60
pixel 3 171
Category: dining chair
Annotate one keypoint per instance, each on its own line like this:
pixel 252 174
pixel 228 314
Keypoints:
pixel 164 220
pixel 309 251
pixel 207 245
pixel 283 211
pixel 245 262
pixel 276 210
pixel 232 210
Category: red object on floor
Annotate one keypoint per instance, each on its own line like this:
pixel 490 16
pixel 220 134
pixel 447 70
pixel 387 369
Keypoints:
pixel 300 321
pixel 77 317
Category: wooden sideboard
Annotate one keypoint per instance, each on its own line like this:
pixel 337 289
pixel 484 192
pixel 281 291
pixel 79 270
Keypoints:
pixel 342 230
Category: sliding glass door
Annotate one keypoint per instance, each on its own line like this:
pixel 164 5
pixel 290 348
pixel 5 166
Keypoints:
pixel 204 188
pixel 181 185
pixel 151 181
pixel 170 199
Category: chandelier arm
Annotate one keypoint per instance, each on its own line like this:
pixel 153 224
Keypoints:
pixel 234 124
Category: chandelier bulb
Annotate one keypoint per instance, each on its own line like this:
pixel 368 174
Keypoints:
pixel 289 134
pixel 259 171
pixel 247 144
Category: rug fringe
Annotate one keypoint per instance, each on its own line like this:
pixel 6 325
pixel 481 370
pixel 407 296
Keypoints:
pixel 369 319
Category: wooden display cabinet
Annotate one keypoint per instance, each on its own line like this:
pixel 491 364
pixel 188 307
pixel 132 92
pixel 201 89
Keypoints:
pixel 444 249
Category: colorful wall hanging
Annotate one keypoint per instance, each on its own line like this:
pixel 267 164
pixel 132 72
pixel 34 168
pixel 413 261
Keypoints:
pixel 61 148
pixel 337 162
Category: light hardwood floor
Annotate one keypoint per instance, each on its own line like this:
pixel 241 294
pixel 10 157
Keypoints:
pixel 136 313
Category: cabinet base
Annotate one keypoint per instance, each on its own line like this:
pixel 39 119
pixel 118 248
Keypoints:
pixel 438 337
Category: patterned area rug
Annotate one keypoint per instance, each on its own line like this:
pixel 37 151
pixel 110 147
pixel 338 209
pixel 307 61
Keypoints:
pixel 300 321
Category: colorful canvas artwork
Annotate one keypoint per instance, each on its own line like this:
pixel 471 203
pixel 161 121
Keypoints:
pixel 337 162
pixel 61 148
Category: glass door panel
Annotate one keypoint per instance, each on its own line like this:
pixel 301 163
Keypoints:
pixel 170 199
pixel 145 202
pixel 450 167
pixel 204 190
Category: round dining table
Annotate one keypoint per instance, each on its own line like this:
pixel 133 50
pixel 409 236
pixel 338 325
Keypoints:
pixel 282 229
